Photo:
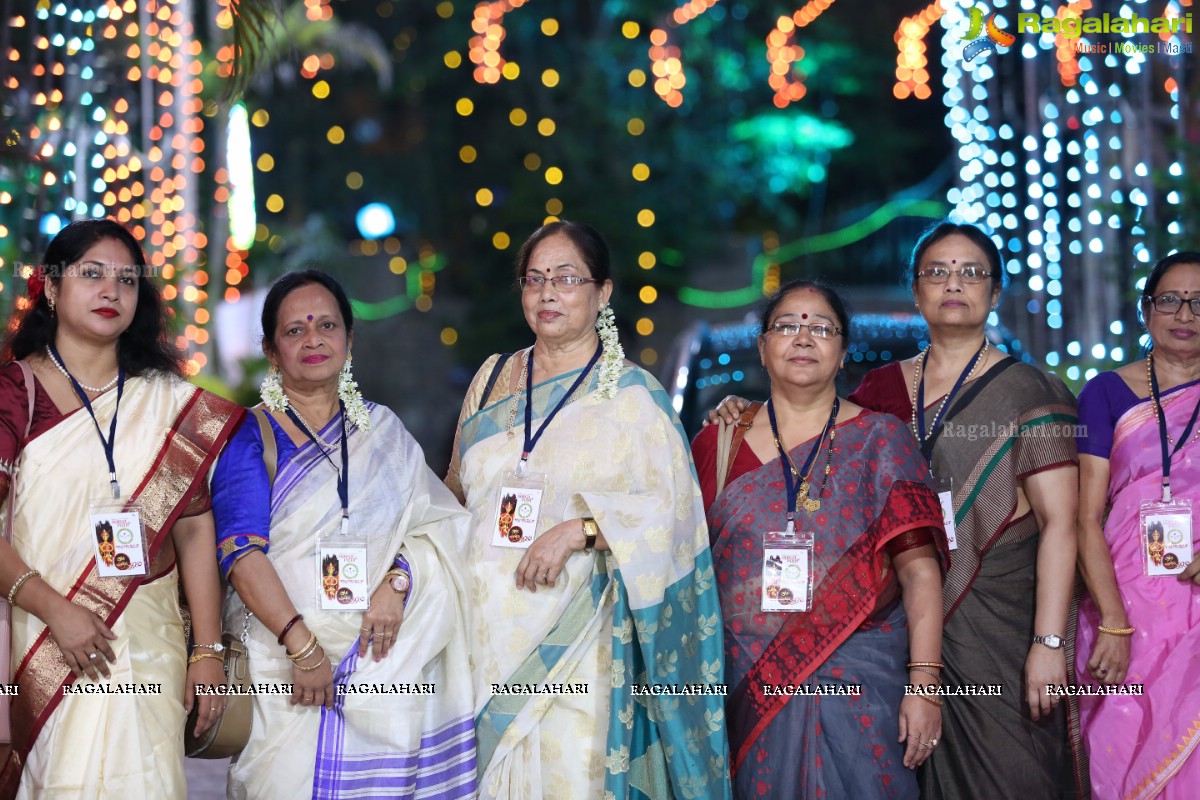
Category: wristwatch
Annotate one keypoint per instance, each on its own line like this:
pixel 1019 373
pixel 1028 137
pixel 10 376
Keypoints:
pixel 1052 641
pixel 400 582
pixel 216 647
pixel 590 531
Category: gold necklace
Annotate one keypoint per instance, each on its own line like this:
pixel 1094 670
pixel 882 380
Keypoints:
pixel 1154 398
pixel 919 366
pixel 515 399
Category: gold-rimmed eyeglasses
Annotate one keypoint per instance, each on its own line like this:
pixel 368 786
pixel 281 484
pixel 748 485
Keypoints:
pixel 561 283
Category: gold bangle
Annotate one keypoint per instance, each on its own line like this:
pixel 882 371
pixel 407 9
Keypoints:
pixel 934 664
pixel 313 667
pixel 305 651
pixel 199 656
pixel 1118 631
pixel 927 671
pixel 937 701
pixel 19 582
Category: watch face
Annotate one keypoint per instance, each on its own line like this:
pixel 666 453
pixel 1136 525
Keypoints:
pixel 400 583
pixel 1052 641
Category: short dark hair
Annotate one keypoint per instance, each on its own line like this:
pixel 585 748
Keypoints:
pixel 145 346
pixel 831 297
pixel 1163 266
pixel 290 283
pixel 587 241
pixel 940 230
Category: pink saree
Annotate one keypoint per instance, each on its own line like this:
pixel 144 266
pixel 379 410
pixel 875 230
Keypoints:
pixel 1142 747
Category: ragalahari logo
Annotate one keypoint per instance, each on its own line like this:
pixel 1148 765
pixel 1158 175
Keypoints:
pixel 983 39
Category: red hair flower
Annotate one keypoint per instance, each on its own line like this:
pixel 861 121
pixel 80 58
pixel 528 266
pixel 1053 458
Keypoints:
pixel 35 285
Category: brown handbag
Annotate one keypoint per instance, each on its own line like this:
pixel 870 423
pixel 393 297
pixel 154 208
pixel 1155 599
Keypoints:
pixel 230 732
pixel 729 439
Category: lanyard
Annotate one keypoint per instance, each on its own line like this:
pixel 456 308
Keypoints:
pixel 792 477
pixel 111 441
pixel 1162 433
pixel 343 484
pixel 531 438
pixel 938 418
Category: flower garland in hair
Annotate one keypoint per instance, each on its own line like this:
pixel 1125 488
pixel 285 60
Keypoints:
pixel 356 410
pixel 612 358
pixel 35 284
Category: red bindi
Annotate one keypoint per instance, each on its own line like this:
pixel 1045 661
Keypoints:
pixel 804 316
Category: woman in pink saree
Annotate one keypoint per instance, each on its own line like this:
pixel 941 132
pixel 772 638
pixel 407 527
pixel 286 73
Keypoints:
pixel 1137 626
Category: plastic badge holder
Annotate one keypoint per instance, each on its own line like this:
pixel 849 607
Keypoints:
pixel 119 538
pixel 787 580
pixel 518 505
pixel 1166 537
pixel 342 583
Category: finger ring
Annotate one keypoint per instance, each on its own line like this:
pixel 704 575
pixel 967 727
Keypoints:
pixel 1103 669
pixel 93 656
pixel 933 742
pixel 364 630
pixel 385 635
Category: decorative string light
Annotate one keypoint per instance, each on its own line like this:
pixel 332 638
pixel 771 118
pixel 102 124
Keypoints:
pixel 666 64
pixel 912 77
pixel 484 47
pixel 784 56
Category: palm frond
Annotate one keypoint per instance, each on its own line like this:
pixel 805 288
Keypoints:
pixel 255 41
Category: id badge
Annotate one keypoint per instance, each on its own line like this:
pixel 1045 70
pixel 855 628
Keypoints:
pixel 342 573
pixel 118 538
pixel 787 571
pixel 945 490
pixel 518 506
pixel 1166 534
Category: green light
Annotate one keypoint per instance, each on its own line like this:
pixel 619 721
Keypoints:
pixel 808 245
pixel 372 312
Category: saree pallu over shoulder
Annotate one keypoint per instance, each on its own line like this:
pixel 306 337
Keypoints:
pixel 622 658
pixel 1148 742
pixel 168 435
pixel 876 493
pixel 1001 430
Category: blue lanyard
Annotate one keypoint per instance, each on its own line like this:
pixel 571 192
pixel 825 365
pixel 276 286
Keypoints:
pixel 1162 432
pixel 792 477
pixel 531 438
pixel 922 437
pixel 343 484
pixel 111 441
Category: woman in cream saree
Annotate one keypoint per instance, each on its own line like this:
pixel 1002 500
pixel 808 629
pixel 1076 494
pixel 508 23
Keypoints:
pixel 102 675
pixel 559 672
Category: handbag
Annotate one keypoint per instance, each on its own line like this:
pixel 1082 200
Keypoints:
pixel 229 733
pixel 5 608
pixel 729 439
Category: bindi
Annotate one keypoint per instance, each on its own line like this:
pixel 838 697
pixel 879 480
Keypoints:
pixel 310 317
pixel 804 316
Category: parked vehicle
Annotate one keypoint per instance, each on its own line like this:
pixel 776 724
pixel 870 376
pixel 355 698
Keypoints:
pixel 709 362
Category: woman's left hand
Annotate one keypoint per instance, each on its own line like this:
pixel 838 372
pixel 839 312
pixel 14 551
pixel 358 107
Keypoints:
pixel 1044 667
pixel 1192 573
pixel 206 673
pixel 381 621
pixel 921 726
pixel 548 554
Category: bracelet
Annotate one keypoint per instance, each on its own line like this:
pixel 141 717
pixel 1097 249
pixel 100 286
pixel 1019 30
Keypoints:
pixel 1118 631
pixel 313 667
pixel 590 532
pixel 19 582
pixel 305 651
pixel 937 701
pixel 216 647
pixel 934 664
pixel 288 627
pixel 927 671
pixel 199 656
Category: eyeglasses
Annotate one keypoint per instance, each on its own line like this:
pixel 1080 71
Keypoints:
pixel 818 330
pixel 1170 304
pixel 942 274
pixel 562 283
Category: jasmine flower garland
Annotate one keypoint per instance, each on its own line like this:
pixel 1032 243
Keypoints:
pixel 612 359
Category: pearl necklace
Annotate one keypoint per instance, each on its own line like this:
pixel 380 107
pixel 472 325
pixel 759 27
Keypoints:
pixel 84 386
pixel 920 365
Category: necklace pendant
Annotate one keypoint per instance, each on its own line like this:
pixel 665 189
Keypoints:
pixel 511 433
pixel 811 505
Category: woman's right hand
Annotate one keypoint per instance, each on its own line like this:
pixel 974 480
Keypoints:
pixel 83 639
pixel 1110 658
pixel 313 687
pixel 729 410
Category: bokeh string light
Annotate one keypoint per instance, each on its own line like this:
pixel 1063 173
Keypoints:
pixel 784 55
pixel 1054 180
pixel 912 73
pixel 666 59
